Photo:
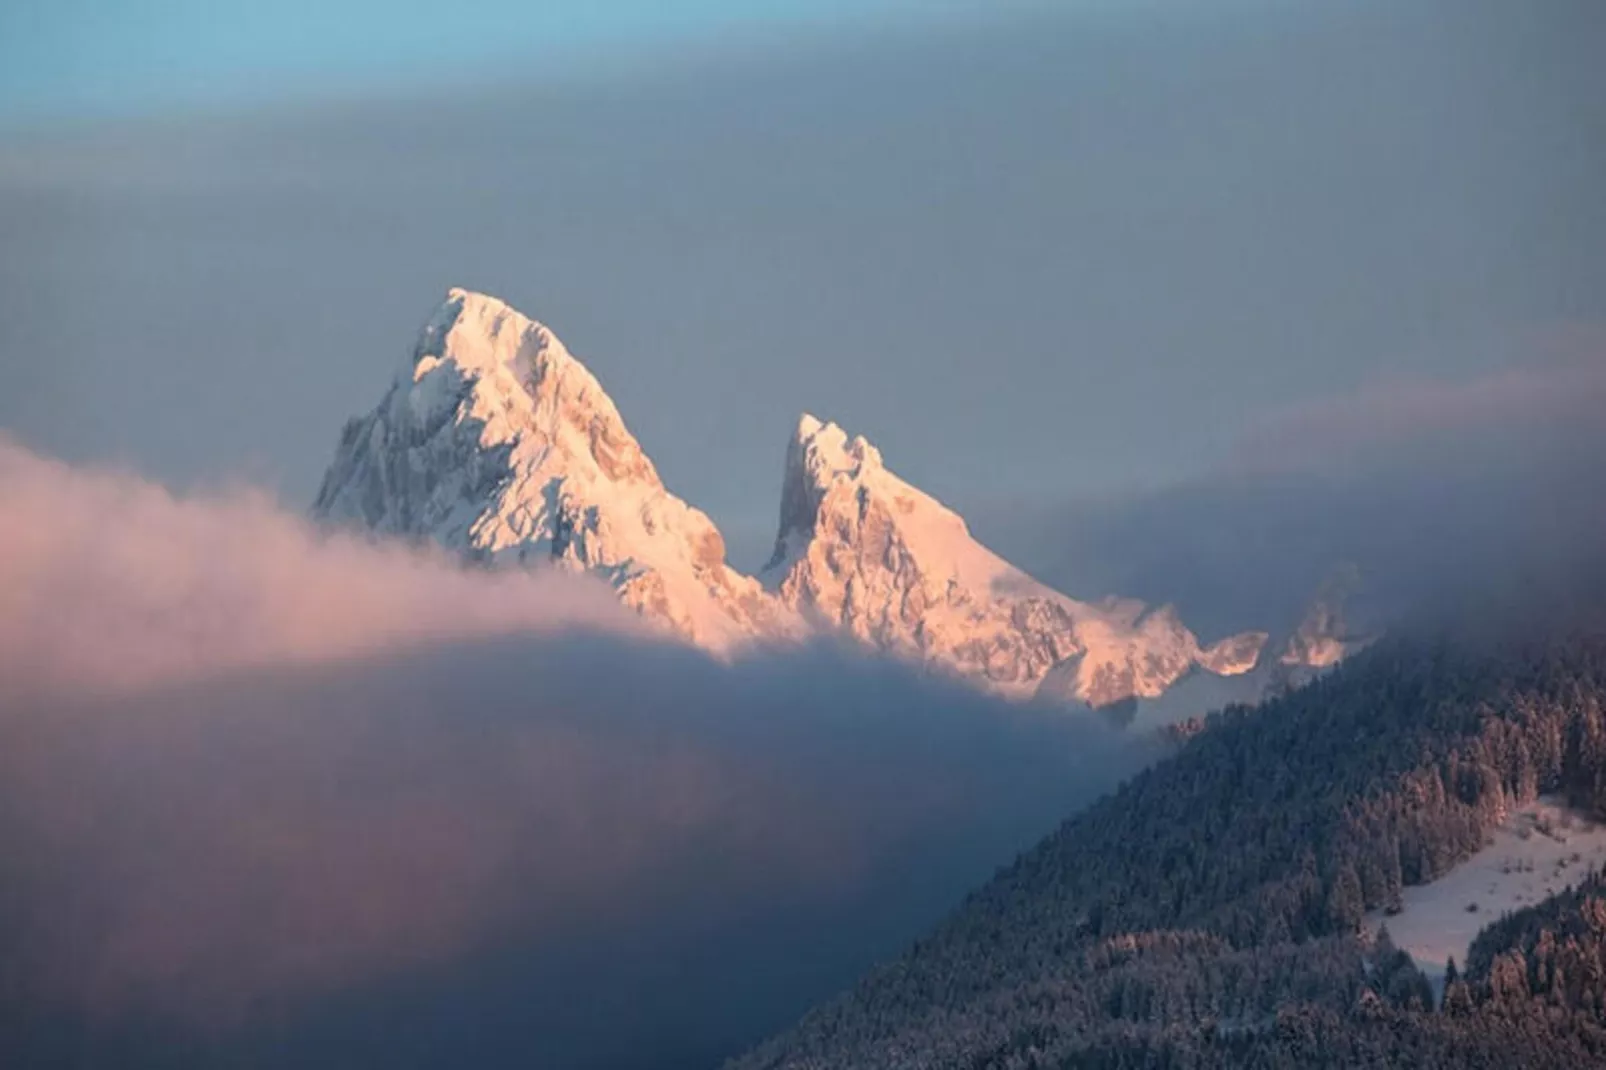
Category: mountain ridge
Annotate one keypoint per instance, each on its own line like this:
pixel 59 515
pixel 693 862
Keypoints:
pixel 498 444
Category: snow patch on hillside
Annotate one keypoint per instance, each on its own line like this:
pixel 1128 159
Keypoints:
pixel 1538 851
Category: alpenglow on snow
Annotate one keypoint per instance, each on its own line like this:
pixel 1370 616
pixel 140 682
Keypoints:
pixel 494 442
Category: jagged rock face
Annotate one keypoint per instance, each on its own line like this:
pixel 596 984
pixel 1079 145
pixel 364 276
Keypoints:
pixel 496 443
pixel 1234 655
pixel 862 550
pixel 1324 637
pixel 1136 652
pixel 1318 642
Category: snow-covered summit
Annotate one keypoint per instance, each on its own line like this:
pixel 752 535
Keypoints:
pixel 823 463
pixel 1324 637
pixel 496 443
pixel 862 550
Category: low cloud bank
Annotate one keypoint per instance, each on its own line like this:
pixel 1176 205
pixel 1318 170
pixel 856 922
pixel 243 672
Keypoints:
pixel 1437 491
pixel 109 583
pixel 274 798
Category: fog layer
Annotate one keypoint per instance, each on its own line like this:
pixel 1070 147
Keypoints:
pixel 274 798
pixel 1434 489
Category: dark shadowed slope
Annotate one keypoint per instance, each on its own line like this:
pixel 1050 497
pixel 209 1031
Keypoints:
pixel 1208 913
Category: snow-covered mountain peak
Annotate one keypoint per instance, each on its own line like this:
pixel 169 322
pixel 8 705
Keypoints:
pixel 524 382
pixel 824 445
pixel 829 475
pixel 819 455
pixel 862 550
pixel 1324 637
pixel 497 443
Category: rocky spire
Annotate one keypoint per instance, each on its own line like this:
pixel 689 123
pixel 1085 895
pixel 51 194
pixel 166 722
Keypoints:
pixel 497 443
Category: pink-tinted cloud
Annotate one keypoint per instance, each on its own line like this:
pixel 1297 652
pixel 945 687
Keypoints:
pixel 247 769
pixel 1390 417
pixel 108 582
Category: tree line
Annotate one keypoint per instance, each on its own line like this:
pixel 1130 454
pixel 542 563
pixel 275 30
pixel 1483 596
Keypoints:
pixel 1209 912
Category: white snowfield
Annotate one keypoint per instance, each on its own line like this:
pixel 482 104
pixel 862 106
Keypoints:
pixel 495 442
pixel 1539 850
pixel 862 550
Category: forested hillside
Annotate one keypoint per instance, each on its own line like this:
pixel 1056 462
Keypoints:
pixel 1209 912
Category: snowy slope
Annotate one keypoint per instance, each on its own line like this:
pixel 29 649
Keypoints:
pixel 862 550
pixel 496 443
pixel 1537 851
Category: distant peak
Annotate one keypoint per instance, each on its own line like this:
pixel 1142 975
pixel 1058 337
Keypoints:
pixel 480 357
pixel 505 354
pixel 474 314
pixel 470 307
pixel 498 444
pixel 821 450
pixel 463 298
pixel 815 434
pixel 808 425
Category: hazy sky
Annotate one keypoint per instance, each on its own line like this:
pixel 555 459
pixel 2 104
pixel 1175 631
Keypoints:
pixel 99 58
pixel 1046 255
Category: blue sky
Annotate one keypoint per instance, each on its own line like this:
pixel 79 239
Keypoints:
pixel 100 58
